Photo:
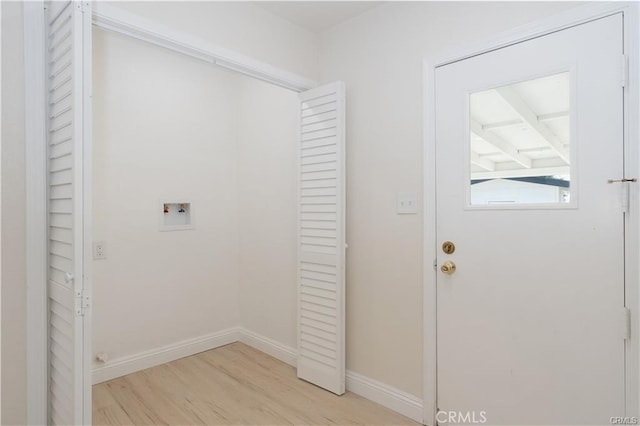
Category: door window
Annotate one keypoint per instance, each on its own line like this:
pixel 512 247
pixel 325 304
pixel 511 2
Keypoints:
pixel 520 143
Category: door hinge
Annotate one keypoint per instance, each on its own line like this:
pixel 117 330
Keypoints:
pixel 82 302
pixel 86 301
pixel 624 70
pixel 70 279
pixel 624 191
pixel 626 323
pixel 77 304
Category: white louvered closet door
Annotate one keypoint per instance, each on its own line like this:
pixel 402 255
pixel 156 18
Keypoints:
pixel 69 78
pixel 321 243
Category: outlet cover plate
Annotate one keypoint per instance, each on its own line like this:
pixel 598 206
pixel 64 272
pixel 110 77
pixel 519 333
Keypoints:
pixel 99 250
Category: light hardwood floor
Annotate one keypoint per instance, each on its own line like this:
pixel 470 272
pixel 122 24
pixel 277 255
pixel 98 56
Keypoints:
pixel 231 385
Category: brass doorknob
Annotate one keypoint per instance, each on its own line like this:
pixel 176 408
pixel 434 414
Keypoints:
pixel 448 267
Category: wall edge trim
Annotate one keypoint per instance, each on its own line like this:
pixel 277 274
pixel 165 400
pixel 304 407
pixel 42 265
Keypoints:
pixel 269 346
pixel 392 398
pixel 141 361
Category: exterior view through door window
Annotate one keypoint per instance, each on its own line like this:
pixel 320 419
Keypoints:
pixel 519 143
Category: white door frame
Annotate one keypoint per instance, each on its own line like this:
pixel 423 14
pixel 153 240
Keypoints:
pixel 120 21
pixel 36 209
pixel 564 20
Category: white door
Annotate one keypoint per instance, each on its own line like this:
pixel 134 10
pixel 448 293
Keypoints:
pixel 321 242
pixel 530 323
pixel 69 107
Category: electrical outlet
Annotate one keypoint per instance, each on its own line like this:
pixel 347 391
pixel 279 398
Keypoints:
pixel 99 250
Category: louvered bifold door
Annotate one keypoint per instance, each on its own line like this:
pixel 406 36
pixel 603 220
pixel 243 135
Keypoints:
pixel 321 243
pixel 68 50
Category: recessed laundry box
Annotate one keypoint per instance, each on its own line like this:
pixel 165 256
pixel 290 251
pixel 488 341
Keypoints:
pixel 176 215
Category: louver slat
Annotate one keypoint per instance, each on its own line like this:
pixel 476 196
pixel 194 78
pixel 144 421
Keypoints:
pixel 68 42
pixel 321 242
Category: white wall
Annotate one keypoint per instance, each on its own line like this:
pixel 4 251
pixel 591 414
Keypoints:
pixel 379 55
pixel 267 124
pixel 164 127
pixel 240 26
pixel 13 321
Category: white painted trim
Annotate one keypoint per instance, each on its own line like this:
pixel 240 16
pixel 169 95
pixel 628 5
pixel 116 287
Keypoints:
pixel 36 219
pixel 130 364
pixel 569 18
pixel 394 399
pixel 429 293
pixel 632 237
pixel 87 209
pixel 269 346
pixel 115 19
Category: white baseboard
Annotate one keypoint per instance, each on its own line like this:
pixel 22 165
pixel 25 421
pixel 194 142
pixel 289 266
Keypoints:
pixel 269 346
pixel 385 395
pixel 143 360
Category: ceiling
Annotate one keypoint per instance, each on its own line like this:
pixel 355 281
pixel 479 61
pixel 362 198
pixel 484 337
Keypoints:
pixel 522 129
pixel 317 16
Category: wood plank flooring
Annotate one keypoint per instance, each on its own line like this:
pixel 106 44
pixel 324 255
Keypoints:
pixel 231 385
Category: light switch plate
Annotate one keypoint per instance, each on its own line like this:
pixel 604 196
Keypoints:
pixel 407 203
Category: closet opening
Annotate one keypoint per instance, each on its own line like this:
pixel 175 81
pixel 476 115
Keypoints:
pixel 209 154
pixel 248 177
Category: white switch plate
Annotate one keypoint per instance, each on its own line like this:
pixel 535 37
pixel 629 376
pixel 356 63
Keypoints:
pixel 99 250
pixel 407 203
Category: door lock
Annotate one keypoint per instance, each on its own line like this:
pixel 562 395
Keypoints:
pixel 448 247
pixel 448 267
